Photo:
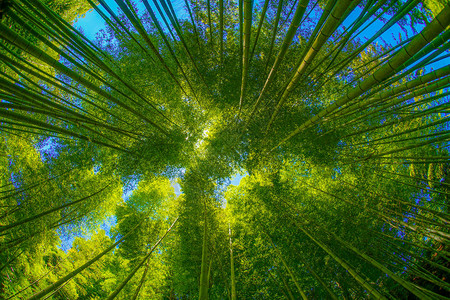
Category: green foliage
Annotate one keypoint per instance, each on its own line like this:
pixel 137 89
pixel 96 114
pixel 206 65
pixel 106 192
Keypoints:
pixel 343 143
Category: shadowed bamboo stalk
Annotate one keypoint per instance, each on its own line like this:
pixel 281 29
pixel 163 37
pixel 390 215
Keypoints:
pixel 383 217
pixel 53 109
pixel 241 30
pixel 378 265
pixel 75 36
pixel 208 7
pixel 441 138
pixel 419 138
pixel 8 114
pixel 10 62
pixel 417 178
pixel 167 43
pixel 415 268
pixel 320 280
pixel 383 194
pixel 442 253
pixel 193 23
pixel 419 258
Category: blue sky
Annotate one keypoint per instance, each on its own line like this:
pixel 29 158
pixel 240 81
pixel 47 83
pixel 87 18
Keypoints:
pixel 91 23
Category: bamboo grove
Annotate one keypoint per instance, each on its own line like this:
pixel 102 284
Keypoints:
pixel 338 128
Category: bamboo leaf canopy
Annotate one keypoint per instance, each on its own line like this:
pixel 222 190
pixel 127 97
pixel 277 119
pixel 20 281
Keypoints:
pixel 242 149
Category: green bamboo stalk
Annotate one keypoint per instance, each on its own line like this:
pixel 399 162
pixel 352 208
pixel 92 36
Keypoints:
pixel 241 30
pixel 57 85
pixel 291 274
pixel 20 42
pixel 208 6
pixel 301 7
pixel 336 17
pixel 258 31
pixel 442 138
pixel 40 215
pixel 163 17
pixel 320 280
pixel 248 6
pixel 133 272
pixel 419 179
pixel 383 217
pixel 221 30
pixel 34 71
pixel 408 85
pixel 289 293
pixel 415 268
pixel 445 255
pixel 39 278
pixel 364 16
pixel 140 28
pixel 382 268
pixel 344 264
pixel 399 15
pixel 203 290
pixel 96 60
pixel 193 23
pixel 274 32
pixel 421 137
pixel 233 277
pixel 141 282
pixel 417 115
pixel 167 43
pixel 418 258
pixel 77 37
pixel 383 194
pixel 179 32
pixel 75 272
pixel 419 41
pixel 23 118
pixel 395 100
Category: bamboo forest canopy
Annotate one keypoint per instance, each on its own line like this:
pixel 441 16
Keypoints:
pixel 335 113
